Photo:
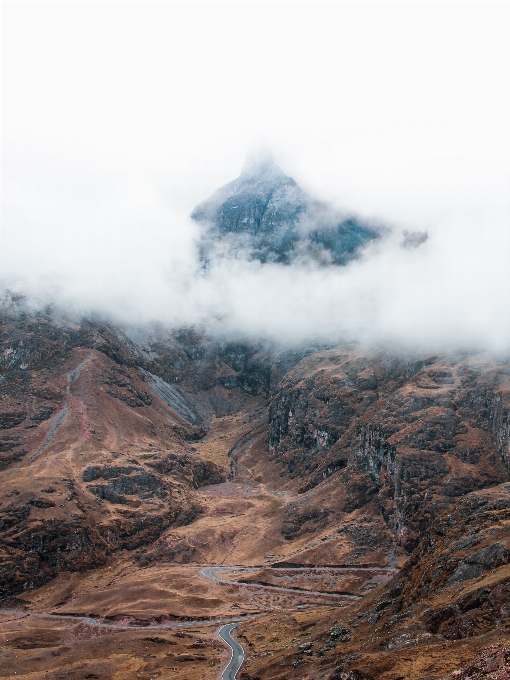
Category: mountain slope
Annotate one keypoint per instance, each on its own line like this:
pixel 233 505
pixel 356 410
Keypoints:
pixel 96 447
pixel 135 459
pixel 446 615
pixel 411 432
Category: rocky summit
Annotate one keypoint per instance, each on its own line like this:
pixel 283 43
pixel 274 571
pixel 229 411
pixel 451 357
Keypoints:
pixel 268 217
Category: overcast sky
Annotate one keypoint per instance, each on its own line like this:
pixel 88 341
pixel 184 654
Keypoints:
pixel 118 117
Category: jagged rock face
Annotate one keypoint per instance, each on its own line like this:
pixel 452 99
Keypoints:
pixel 467 542
pixel 456 584
pixel 265 213
pixel 191 359
pixel 412 433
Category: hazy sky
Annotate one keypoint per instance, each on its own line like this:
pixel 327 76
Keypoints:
pixel 118 117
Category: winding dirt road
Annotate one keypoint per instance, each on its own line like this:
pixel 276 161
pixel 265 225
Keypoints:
pixel 237 651
pixel 228 624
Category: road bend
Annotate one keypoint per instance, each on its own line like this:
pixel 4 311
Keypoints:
pixel 237 656
pixel 210 573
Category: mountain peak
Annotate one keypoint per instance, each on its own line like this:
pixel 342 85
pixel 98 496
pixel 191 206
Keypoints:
pixel 265 214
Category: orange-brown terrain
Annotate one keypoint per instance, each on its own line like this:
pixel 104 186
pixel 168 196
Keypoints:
pixel 350 507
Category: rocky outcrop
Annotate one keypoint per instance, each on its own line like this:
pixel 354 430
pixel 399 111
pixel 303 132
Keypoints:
pixel 8 420
pixel 32 555
pixel 122 386
pixel 412 433
pixel 192 469
pixel 125 481
pixel 469 540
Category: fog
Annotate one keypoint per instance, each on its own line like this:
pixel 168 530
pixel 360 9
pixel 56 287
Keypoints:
pixel 118 118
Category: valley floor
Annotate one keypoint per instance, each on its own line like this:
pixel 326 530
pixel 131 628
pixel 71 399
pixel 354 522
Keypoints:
pixel 144 617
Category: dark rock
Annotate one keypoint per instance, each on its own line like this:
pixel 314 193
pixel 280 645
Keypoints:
pixel 354 674
pixel 43 414
pixel 94 472
pixel 193 469
pixel 490 557
pixel 11 419
pixel 42 503
pixel 266 214
pixel 143 484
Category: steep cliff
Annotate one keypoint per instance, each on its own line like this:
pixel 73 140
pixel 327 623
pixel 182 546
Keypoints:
pixel 412 433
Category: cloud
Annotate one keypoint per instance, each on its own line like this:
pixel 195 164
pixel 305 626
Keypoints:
pixel 119 118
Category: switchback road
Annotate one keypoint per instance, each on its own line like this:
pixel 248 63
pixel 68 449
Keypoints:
pixel 209 572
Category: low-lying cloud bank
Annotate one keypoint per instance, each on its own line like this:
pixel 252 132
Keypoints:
pixel 141 265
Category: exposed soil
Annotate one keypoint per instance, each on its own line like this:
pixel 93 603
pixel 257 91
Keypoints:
pixel 355 503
